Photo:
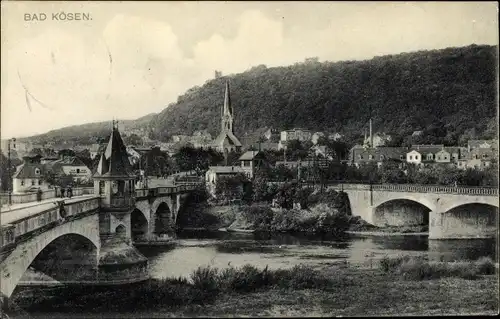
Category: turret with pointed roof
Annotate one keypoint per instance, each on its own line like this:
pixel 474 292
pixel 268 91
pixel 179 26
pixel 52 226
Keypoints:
pixel 227 141
pixel 114 161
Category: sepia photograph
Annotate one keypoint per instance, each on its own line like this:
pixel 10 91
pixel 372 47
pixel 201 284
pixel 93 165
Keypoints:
pixel 168 159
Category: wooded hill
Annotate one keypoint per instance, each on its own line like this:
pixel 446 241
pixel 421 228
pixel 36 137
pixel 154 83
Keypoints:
pixel 449 94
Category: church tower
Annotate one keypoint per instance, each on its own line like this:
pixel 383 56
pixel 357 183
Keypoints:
pixel 226 141
pixel 114 182
pixel 227 111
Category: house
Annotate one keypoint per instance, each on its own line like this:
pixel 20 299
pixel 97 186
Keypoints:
pixel 252 160
pixel 321 150
pixel 70 165
pixel 226 141
pixel 377 140
pixel 29 176
pixel 265 146
pixel 214 173
pixel 48 159
pixel 272 135
pixel 133 155
pixel 480 158
pixel 335 136
pixel 96 149
pixel 359 155
pixel 316 136
pixel 414 157
pixel 473 144
pixel 426 153
pixel 442 156
pixel 201 139
pixel 295 134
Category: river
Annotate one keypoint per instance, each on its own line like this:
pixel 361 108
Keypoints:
pixel 223 249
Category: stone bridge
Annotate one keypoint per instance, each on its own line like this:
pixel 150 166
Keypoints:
pixel 67 226
pixel 156 211
pixel 451 212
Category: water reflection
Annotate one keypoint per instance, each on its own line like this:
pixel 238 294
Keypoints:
pixel 224 249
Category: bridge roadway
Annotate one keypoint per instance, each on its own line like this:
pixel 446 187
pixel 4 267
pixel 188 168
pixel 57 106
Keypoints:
pixel 21 211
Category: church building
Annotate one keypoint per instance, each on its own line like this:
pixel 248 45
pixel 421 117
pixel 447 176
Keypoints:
pixel 227 142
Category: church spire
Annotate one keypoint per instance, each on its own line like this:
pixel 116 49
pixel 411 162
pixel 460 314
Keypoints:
pixel 227 101
pixel 227 111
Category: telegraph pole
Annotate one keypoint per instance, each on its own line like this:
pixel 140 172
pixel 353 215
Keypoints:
pixel 9 170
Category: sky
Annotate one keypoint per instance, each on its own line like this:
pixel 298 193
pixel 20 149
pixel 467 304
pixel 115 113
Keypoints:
pixel 132 58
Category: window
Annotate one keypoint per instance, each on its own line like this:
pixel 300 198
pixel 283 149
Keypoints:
pixel 439 158
pixel 39 182
pixel 485 156
pixel 370 156
pixel 121 187
pixel 416 157
pixel 401 157
pixel 101 187
pixel 78 171
pixel 37 171
pixel 360 156
pixel 382 157
pixel 476 156
pixel 22 182
pixel 411 157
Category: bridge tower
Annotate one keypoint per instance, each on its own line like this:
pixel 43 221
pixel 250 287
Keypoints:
pixel 114 182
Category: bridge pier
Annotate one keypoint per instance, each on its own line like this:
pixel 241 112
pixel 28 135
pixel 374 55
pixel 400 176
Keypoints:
pixel 467 222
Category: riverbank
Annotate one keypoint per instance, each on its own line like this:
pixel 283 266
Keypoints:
pixel 403 286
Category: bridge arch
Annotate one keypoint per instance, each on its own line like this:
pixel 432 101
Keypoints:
pixel 16 263
pixel 139 224
pixel 449 205
pixel 402 211
pixel 470 220
pixel 163 219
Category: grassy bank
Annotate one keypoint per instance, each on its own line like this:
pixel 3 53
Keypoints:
pixel 398 286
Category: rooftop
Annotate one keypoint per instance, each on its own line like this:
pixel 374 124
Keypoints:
pixel 226 169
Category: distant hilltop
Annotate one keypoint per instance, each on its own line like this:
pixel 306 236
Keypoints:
pixel 449 92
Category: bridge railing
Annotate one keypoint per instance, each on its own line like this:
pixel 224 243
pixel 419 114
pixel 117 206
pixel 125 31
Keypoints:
pixel 167 190
pixel 414 188
pixel 33 196
pixel 122 201
pixel 11 232
pixel 411 188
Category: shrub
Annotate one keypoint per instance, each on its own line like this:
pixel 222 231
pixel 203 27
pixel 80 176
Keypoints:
pixel 416 268
pixel 299 277
pixel 205 279
pixel 391 264
pixel 248 278
pixel 485 266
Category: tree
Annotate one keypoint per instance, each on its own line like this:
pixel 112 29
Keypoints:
pixel 391 173
pixel 228 188
pixel 6 180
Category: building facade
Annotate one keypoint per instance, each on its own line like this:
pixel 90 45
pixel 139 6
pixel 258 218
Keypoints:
pixel 29 176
